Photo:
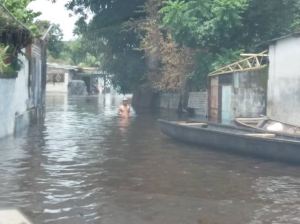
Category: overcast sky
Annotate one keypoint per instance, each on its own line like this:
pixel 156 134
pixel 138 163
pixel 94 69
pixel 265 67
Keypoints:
pixel 56 13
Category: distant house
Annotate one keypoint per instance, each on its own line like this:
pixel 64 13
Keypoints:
pixel 21 92
pixel 60 78
pixel 284 79
pixel 238 89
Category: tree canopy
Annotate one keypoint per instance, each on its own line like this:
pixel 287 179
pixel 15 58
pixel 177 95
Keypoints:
pixel 19 26
pixel 213 32
pixel 106 38
pixel 55 43
pixel 18 8
pixel 222 29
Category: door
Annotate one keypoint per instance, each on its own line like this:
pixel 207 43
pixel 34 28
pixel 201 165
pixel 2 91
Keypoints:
pixel 226 112
pixel 214 99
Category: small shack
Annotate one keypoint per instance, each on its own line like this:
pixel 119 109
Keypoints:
pixel 239 89
pixel 284 79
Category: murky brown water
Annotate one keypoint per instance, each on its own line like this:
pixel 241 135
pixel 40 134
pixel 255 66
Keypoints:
pixel 85 165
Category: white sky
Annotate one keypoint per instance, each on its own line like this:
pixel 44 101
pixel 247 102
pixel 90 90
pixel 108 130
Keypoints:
pixel 56 13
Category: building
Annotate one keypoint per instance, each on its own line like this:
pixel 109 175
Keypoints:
pixel 238 89
pixel 250 88
pixel 22 91
pixel 284 79
pixel 58 77
pixel 75 80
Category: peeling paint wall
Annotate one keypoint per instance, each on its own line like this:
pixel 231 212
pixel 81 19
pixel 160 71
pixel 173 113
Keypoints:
pixel 284 81
pixel 250 93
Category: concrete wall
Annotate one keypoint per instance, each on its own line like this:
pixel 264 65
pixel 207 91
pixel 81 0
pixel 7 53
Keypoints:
pixel 284 81
pixel 22 98
pixel 196 100
pixel 58 87
pixel 247 95
pixel 14 99
pixel 199 102
pixel 169 101
pixel 250 93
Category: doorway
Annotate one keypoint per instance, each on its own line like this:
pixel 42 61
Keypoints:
pixel 226 112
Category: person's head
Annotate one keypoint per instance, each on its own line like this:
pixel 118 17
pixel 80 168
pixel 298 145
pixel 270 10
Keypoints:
pixel 125 101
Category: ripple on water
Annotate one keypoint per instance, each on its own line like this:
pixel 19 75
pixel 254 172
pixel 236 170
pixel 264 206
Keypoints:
pixel 282 195
pixel 83 165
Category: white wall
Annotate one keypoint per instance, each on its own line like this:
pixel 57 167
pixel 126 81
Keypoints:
pixel 59 87
pixel 13 98
pixel 284 81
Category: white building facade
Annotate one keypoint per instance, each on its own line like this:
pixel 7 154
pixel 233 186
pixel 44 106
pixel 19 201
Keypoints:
pixel 284 80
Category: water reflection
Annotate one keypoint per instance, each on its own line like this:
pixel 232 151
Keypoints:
pixel 283 197
pixel 84 164
pixel 124 124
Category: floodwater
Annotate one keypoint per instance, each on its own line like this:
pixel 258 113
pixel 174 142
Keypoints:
pixel 83 164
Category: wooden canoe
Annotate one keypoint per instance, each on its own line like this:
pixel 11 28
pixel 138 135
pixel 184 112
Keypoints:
pixel 269 125
pixel 235 139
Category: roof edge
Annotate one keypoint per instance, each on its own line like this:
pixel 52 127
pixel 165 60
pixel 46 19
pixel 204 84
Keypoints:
pixel 272 41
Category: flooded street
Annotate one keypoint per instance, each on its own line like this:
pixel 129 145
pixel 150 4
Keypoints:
pixel 83 164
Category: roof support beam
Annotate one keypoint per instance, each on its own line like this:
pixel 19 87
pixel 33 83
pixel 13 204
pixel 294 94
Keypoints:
pixel 253 61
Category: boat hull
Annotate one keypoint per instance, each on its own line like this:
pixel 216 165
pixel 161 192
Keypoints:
pixel 235 140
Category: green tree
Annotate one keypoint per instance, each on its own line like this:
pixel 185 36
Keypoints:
pixel 19 9
pixel 55 37
pixel 268 19
pixel 106 37
pixel 16 23
pixel 76 53
pixel 217 30
pixel 55 41
pixel 221 29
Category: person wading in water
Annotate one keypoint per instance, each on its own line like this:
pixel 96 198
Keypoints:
pixel 124 109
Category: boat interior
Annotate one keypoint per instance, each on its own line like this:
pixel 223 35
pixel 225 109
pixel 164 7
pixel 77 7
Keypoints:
pixel 236 130
pixel 269 125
